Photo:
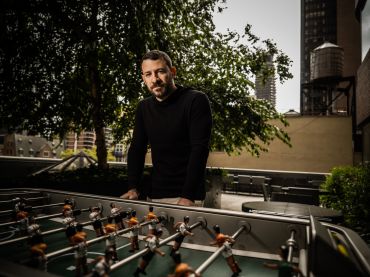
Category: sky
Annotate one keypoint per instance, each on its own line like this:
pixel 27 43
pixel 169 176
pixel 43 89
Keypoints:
pixel 278 20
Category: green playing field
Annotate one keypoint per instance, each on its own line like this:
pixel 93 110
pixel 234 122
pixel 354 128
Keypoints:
pixel 63 265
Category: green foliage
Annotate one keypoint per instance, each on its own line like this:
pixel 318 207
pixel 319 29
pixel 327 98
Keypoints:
pixel 91 152
pixel 348 190
pixel 75 65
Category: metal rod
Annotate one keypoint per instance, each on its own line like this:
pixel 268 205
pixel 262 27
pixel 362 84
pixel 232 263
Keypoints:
pixel 25 199
pixel 291 243
pixel 213 257
pixel 39 218
pixel 19 193
pixel 142 252
pixel 89 242
pixel 33 208
pixel 49 232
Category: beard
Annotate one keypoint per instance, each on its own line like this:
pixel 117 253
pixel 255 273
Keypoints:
pixel 160 91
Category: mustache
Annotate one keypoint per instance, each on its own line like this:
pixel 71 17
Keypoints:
pixel 156 85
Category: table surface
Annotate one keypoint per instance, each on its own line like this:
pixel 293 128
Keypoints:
pixel 192 254
pixel 292 209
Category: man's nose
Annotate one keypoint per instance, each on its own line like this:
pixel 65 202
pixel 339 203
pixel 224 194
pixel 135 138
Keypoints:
pixel 155 78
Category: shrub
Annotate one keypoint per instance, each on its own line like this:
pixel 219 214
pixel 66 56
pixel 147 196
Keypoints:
pixel 348 190
pixel 110 182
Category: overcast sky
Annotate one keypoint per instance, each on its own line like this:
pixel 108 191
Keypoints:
pixel 278 20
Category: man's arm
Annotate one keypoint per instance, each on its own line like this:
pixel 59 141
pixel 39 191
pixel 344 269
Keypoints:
pixel 200 125
pixel 136 156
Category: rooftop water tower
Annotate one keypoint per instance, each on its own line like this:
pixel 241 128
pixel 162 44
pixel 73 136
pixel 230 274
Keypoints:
pixel 326 72
pixel 327 63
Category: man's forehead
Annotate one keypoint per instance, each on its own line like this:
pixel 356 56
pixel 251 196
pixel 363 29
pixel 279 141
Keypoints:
pixel 149 65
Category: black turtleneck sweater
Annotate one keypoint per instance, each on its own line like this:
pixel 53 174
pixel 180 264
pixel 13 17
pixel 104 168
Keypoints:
pixel 178 130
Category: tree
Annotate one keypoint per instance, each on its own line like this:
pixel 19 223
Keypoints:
pixel 69 66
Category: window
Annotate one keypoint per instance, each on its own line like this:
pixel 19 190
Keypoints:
pixel 46 153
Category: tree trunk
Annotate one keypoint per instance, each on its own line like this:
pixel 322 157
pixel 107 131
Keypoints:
pixel 101 148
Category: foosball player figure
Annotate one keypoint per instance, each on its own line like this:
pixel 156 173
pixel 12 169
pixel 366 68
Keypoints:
pixel 38 257
pixel 23 222
pixel 118 216
pixel 182 269
pixel 95 216
pixel 153 247
pixel 34 232
pixel 79 240
pixel 37 245
pixel 111 241
pixel 79 231
pixel 183 228
pixel 153 220
pixel 286 269
pixel 227 241
pixel 70 202
pixel 19 204
pixel 71 225
pixel 133 223
pixel 67 210
pixel 103 263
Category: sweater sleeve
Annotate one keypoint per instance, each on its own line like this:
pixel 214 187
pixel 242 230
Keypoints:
pixel 200 125
pixel 137 151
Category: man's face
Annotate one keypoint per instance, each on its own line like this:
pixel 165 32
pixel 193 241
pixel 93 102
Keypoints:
pixel 158 77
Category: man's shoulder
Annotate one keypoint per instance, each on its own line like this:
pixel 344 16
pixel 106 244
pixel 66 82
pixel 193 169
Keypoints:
pixel 193 92
pixel 146 101
pixel 190 94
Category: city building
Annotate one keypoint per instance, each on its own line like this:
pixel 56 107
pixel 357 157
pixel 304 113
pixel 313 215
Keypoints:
pixel 22 145
pixel 86 139
pixel 325 25
pixel 120 152
pixel 265 88
pixel 363 81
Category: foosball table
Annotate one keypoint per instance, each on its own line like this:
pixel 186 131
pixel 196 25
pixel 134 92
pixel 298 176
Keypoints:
pixel 58 233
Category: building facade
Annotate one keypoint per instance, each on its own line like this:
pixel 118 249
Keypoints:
pixel 363 80
pixel 86 139
pixel 22 145
pixel 334 22
pixel 266 88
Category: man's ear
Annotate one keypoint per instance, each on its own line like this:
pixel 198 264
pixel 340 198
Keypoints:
pixel 173 71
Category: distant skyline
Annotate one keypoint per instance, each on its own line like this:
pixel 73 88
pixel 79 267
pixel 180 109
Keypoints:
pixel 278 20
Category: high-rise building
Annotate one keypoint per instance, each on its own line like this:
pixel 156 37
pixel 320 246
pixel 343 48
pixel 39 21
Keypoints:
pixel 363 81
pixel 330 22
pixel 86 139
pixel 265 88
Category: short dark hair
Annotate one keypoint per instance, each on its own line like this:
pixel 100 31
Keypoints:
pixel 156 55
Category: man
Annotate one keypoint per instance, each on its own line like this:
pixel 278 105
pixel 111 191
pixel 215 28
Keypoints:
pixel 176 122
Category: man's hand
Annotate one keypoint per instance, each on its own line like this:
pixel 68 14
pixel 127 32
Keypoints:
pixel 132 194
pixel 185 202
